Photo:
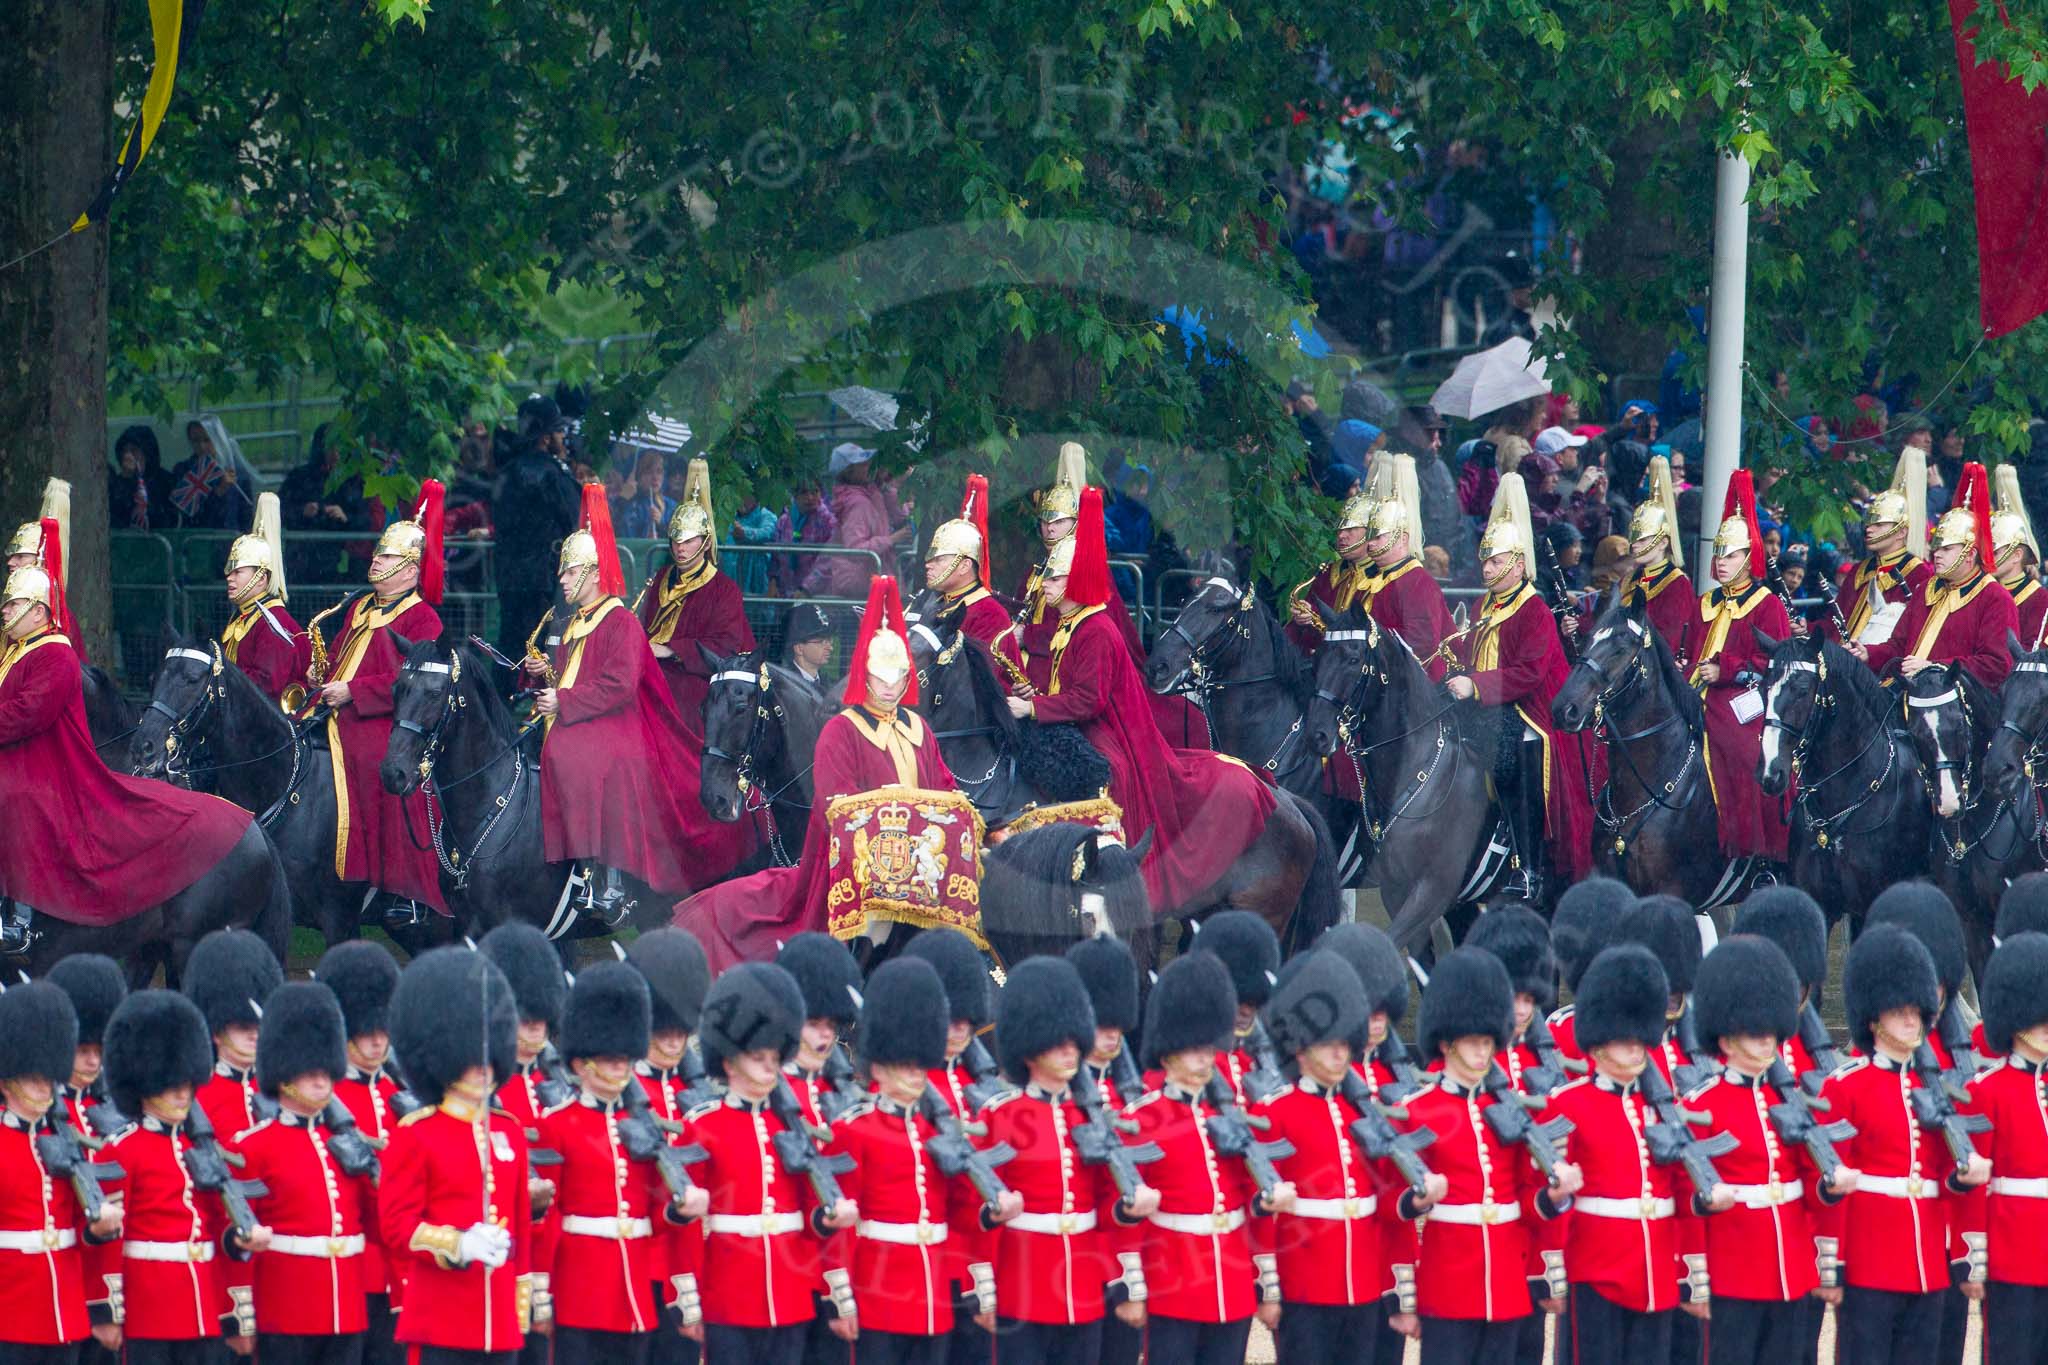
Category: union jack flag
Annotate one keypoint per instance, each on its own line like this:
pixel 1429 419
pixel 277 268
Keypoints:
pixel 194 488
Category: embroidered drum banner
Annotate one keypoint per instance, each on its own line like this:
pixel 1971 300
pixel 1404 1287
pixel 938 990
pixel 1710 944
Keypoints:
pixel 1100 812
pixel 905 855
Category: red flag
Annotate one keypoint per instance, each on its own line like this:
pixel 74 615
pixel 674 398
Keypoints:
pixel 2009 165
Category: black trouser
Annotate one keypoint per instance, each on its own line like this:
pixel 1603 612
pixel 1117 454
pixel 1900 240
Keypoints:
pixel 1048 1343
pixel 90 1352
pixel 1336 1333
pixel 22 1353
pixel 280 1348
pixel 1882 1327
pixel 2015 1323
pixel 900 1348
pixel 379 1344
pixel 1955 1327
pixel 970 1344
pixel 188 1351
pixel 670 1346
pixel 587 1346
pixel 1196 1343
pixel 1599 1331
pixel 821 1347
pixel 753 1345
pixel 452 1355
pixel 1469 1341
pixel 1688 1337
pixel 1758 1331
pixel 1122 1344
pixel 536 1350
pixel 1812 1319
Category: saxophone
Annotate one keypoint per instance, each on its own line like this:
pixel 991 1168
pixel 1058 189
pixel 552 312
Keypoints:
pixel 316 671
pixel 535 661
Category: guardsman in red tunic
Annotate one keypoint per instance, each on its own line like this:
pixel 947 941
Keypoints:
pixel 613 1204
pixel 1334 1247
pixel 96 986
pixel 1512 658
pixel 762 1235
pixel 2017 556
pixel 956 568
pixel 1111 975
pixel 164 1294
pixel 1621 1253
pixel 353 677
pixel 1470 1290
pixel 1579 929
pixel 363 975
pixel 1727 670
pixel 1793 921
pixel 1767 1278
pixel 310 1285
pixel 1202 809
pixel 879 740
pixel 677 977
pixel 2022 909
pixel 1205 1283
pixel 263 640
pixel 916 1221
pixel 2006 1227
pixel 1964 613
pixel 452 1202
pixel 690 609
pixel 1891 1235
pixel 44 1232
pixel 618 768
pixel 1250 952
pixel 1894 566
pixel 1055 1258
pixel 84 845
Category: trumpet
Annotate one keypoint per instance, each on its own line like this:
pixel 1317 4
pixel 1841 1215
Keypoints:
pixel 535 661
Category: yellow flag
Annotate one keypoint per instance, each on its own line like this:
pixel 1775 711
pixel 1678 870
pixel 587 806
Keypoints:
pixel 167 27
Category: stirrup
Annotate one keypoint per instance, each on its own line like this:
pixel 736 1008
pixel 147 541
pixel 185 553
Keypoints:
pixel 403 914
pixel 612 905
pixel 17 930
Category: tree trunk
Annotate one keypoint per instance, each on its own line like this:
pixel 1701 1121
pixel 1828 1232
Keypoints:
pixel 1633 247
pixel 53 306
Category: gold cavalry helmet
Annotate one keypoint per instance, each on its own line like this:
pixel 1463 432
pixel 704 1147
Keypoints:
pixel 27 540
pixel 1508 529
pixel 1396 498
pixel 579 550
pixel 692 517
pixel 888 655
pixel 404 539
pixel 1657 515
pixel 29 584
pixel 1357 513
pixel 1732 536
pixel 1956 527
pixel 1063 499
pixel 956 537
pixel 2010 524
pixel 1059 561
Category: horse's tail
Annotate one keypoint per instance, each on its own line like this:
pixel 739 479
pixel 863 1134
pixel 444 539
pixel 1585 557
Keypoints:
pixel 1320 905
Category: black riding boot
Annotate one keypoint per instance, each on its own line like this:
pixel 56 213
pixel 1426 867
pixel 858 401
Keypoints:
pixel 612 904
pixel 403 913
pixel 17 928
pixel 1526 815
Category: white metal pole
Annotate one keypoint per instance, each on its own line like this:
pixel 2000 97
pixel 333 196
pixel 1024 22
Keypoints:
pixel 1724 347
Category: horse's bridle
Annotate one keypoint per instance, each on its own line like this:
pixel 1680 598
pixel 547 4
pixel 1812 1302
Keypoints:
pixel 179 741
pixel 451 702
pixel 755 799
pixel 1802 738
pixel 456 863
pixel 944 655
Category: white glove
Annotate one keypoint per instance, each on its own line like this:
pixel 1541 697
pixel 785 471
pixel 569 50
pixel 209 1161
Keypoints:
pixel 1698 1287
pixel 117 1300
pixel 1404 1287
pixel 1268 1266
pixel 687 1301
pixel 839 1282
pixel 1974 1243
pixel 1828 1261
pixel 543 1302
pixel 1554 1283
pixel 1134 1275
pixel 984 1277
pixel 484 1244
pixel 243 1297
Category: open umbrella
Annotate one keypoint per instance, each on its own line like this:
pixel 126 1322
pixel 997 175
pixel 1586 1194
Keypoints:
pixel 1490 380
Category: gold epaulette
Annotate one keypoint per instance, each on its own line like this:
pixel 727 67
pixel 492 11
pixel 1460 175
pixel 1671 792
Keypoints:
pixel 424 1112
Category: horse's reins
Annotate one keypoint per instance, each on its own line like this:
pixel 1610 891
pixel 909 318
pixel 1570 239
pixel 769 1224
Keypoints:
pixel 1199 680
pixel 1348 711
pixel 1604 703
pixel 1802 739
pixel 755 799
pixel 944 656
pixel 457 863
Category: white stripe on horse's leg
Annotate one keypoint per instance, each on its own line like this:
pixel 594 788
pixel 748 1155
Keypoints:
pixel 1348 898
pixel 1709 936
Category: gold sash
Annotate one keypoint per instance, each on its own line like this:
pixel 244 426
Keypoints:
pixel 1942 602
pixel 1719 611
pixel 21 649
pixel 1373 584
pixel 674 594
pixel 1894 567
pixel 368 615
pixel 1648 587
pixel 1060 639
pixel 1486 644
pixel 232 634
pixel 898 734
pixel 578 631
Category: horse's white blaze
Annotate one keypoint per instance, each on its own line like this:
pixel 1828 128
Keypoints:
pixel 1771 732
pixel 1947 799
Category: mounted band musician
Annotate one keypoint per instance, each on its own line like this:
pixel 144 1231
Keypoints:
pixel 691 604
pixel 1729 675
pixel 2018 557
pixel 46 544
pixel 1659 583
pixel 1389 581
pixel 263 640
pixel 1894 570
pixel 956 568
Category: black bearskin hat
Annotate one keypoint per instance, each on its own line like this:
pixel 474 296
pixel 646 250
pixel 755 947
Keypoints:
pixel 1666 926
pixel 1381 968
pixel 532 968
pixel 1042 1005
pixel 1248 947
pixel 678 974
pixel 38 1033
pixel 1923 910
pixel 96 985
pixel 1621 998
pixel 959 965
pixel 2015 989
pixel 1518 936
pixel 903 1019
pixel 1468 993
pixel 453 1010
pixel 156 1040
pixel 1747 985
pixel 1793 920
pixel 1888 968
pixel 1111 975
pixel 1583 923
pixel 607 1014
pixel 2023 909
pixel 826 973
pixel 1192 1005
pixel 302 1031
pixel 752 1006
pixel 229 975
pixel 1318 999
pixel 362 976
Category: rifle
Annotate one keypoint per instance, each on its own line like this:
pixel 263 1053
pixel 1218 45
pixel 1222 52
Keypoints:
pixel 796 1146
pixel 103 1118
pixel 842 1092
pixel 1380 1140
pixel 1100 1143
pixel 556 1086
pixel 1511 1123
pixel 1265 1079
pixel 1819 1045
pixel 209 1163
pixel 697 1087
pixel 1671 1140
pixel 1123 1069
pixel 957 1156
pixel 1699 1066
pixel 1551 1064
pixel 989 1083
pixel 354 1153
pixel 1408 1078
pixel 1935 1110
pixel 1793 1118
pixel 63 1153
pixel 645 1135
pixel 1232 1128
pixel 1962 1048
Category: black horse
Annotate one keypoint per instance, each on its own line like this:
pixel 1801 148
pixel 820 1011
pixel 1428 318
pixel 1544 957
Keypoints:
pixel 1228 652
pixel 1655 825
pixel 209 727
pixel 484 815
pixel 761 724
pixel 1860 818
pixel 1429 807
pixel 1047 888
pixel 1983 838
pixel 108 716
